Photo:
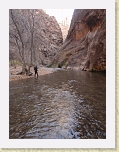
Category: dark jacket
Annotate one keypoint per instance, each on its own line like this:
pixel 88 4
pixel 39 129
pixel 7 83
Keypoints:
pixel 35 68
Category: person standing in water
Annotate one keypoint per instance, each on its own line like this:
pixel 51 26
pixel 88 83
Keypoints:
pixel 36 71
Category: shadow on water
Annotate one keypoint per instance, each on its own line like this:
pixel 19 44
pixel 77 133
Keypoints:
pixel 64 105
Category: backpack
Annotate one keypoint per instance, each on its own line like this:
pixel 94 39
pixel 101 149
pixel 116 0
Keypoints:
pixel 35 68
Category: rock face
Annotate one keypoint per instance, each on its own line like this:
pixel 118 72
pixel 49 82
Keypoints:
pixel 85 45
pixel 42 34
pixel 52 38
pixel 64 29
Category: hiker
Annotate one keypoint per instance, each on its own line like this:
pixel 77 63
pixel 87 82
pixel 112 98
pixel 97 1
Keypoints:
pixel 36 71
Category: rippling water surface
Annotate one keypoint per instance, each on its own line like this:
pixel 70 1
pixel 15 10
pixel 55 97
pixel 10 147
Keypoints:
pixel 64 105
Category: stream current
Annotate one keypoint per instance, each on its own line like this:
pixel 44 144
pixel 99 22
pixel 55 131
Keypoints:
pixel 67 104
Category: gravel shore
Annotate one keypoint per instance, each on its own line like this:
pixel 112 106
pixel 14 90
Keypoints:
pixel 41 71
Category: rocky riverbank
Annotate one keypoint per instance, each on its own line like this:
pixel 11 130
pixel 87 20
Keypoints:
pixel 13 72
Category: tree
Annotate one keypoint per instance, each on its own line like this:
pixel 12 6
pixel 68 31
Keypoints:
pixel 23 30
pixel 31 35
pixel 18 35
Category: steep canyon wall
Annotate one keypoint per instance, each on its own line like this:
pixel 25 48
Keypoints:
pixel 85 45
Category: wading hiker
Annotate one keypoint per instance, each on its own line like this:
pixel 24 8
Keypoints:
pixel 36 71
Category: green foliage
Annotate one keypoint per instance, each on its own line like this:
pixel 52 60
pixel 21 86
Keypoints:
pixel 53 65
pixel 64 64
pixel 49 66
pixel 15 63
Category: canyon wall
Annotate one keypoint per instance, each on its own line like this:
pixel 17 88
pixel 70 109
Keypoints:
pixel 51 38
pixel 37 33
pixel 64 29
pixel 85 45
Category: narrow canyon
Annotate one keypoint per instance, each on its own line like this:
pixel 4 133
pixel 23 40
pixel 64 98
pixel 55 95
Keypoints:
pixel 37 38
pixel 64 96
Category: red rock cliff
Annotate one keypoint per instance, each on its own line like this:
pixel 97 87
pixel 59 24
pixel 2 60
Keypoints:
pixel 85 45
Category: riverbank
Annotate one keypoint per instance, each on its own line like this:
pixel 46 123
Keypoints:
pixel 13 72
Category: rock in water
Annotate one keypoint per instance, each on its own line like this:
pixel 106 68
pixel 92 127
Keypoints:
pixel 85 45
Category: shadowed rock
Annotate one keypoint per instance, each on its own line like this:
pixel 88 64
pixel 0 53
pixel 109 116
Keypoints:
pixel 87 37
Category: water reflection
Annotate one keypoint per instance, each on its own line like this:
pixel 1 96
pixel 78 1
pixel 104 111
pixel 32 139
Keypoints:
pixel 64 105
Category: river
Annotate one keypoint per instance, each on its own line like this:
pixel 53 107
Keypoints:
pixel 67 104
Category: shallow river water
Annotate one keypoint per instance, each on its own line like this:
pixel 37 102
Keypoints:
pixel 64 105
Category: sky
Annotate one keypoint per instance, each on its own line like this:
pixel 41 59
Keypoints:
pixel 60 14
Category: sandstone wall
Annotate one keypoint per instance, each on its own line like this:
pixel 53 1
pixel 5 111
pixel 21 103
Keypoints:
pixel 85 45
pixel 51 38
pixel 64 29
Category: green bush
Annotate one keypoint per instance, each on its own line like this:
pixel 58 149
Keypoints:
pixel 15 63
